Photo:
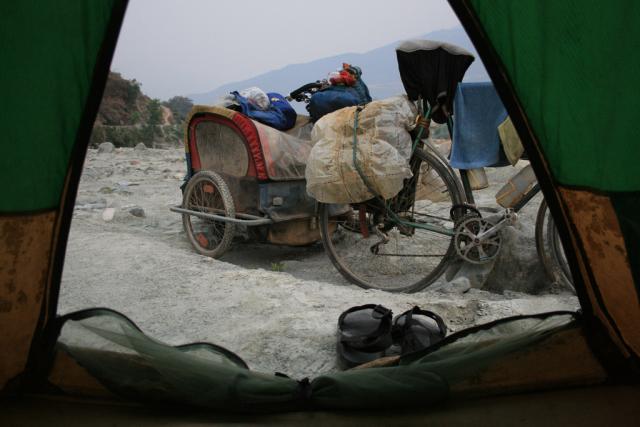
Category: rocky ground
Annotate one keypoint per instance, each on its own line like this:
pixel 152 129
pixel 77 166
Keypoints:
pixel 127 251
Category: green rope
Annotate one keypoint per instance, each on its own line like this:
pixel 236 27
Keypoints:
pixel 367 183
pixel 354 146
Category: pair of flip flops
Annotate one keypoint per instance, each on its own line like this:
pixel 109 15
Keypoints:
pixel 369 332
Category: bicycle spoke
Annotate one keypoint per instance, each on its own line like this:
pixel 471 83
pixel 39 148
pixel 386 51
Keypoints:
pixel 208 236
pixel 412 256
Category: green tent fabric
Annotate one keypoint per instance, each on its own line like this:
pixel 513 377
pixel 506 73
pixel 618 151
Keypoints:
pixel 583 117
pixel 46 73
pixel 137 367
pixel 54 61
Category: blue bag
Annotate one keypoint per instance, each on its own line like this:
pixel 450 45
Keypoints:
pixel 361 88
pixel 280 114
pixel 336 97
pixel 331 99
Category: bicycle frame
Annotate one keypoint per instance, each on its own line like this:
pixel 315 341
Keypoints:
pixel 405 199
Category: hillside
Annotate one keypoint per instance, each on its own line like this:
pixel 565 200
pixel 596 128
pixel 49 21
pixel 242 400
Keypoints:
pixel 127 116
pixel 123 102
pixel 380 70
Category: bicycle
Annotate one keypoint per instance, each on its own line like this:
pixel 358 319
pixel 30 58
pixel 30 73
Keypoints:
pixel 405 243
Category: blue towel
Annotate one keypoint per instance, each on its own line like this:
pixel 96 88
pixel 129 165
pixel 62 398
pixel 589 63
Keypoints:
pixel 478 111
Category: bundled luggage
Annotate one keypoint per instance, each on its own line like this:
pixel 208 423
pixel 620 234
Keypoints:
pixel 382 146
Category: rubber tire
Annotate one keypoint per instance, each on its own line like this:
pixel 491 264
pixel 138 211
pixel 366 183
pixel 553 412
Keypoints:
pixel 447 259
pixel 546 237
pixel 229 208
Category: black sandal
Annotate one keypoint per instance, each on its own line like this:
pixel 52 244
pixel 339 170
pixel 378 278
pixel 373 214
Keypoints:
pixel 364 333
pixel 417 329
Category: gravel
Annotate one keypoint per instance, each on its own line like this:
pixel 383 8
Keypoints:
pixel 282 320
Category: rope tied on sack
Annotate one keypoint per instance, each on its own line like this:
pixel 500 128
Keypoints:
pixel 422 123
pixel 354 146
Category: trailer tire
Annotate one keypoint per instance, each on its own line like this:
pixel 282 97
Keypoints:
pixel 207 192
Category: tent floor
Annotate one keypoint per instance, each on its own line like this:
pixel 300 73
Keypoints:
pixel 606 405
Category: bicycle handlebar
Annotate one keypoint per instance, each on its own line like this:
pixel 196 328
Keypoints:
pixel 304 93
pixel 305 88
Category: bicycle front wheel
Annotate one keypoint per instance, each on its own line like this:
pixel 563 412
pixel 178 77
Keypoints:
pixel 550 248
pixel 397 257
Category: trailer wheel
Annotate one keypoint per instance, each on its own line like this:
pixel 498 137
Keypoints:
pixel 208 193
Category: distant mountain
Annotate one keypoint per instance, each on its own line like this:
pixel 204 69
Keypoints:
pixel 379 67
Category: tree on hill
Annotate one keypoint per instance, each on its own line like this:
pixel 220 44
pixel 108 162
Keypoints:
pixel 154 112
pixel 133 91
pixel 154 118
pixel 180 107
pixel 127 116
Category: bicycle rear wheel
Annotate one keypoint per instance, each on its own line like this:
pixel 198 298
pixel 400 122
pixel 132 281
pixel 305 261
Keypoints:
pixel 412 258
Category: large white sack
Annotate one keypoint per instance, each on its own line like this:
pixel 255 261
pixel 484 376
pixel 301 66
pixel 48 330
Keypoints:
pixel 384 146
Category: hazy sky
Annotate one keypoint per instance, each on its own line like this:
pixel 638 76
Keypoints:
pixel 177 47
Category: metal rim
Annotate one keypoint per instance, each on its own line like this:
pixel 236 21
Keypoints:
pixel 355 268
pixel 550 248
pixel 207 193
